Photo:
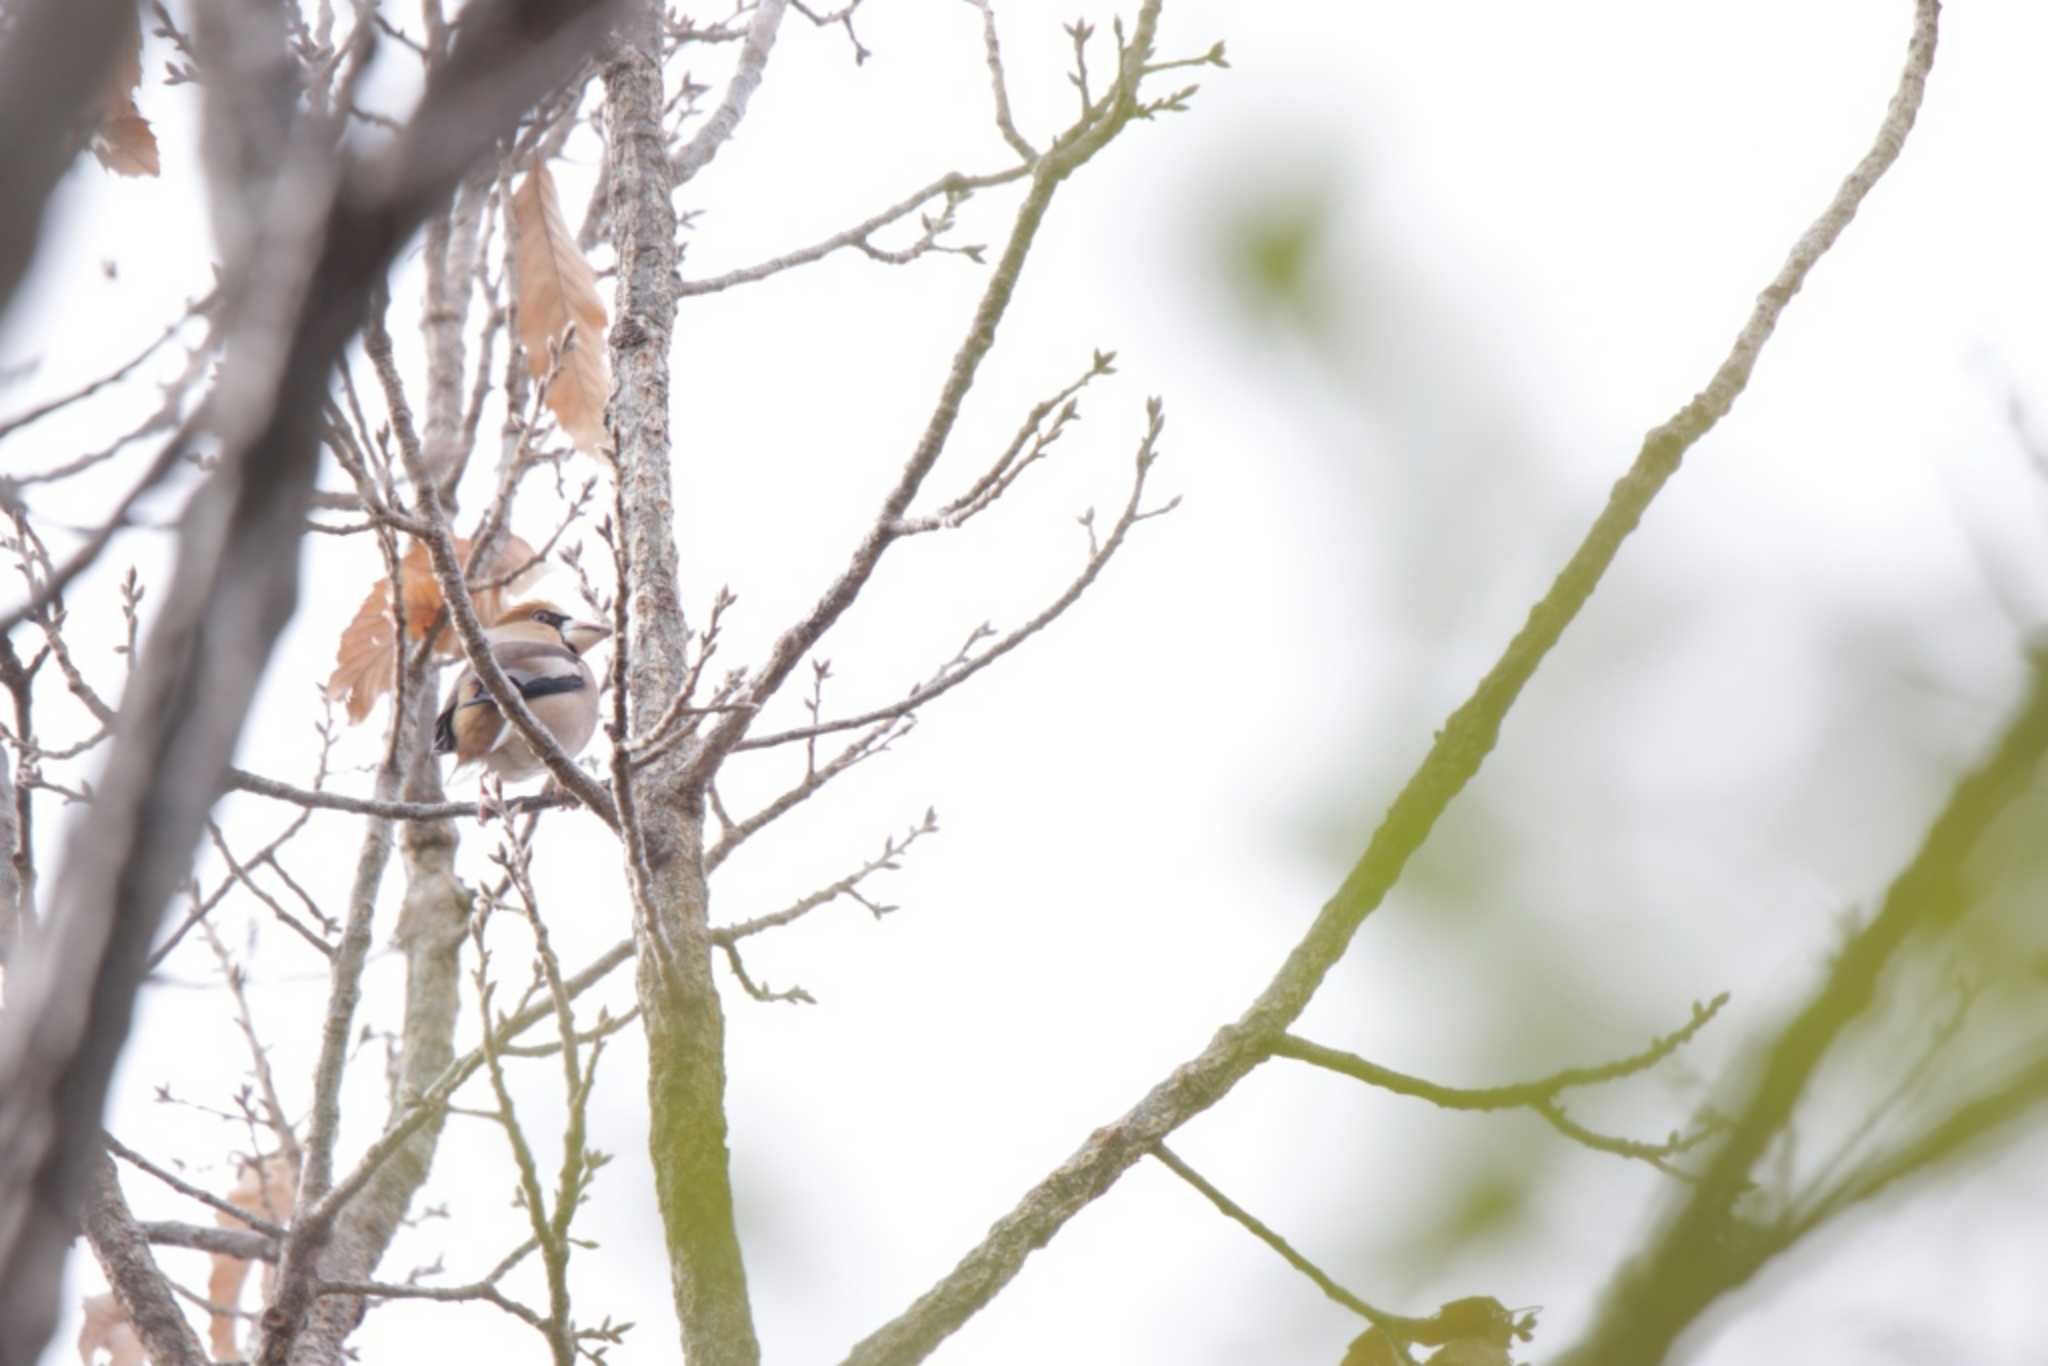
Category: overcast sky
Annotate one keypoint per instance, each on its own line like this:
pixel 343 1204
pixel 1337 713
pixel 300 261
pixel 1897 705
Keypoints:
pixel 1533 232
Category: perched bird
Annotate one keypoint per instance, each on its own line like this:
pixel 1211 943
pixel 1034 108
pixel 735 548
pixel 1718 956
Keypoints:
pixel 540 648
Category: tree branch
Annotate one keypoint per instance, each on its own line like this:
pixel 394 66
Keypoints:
pixel 145 1296
pixel 1068 155
pixel 1653 1299
pixel 1460 747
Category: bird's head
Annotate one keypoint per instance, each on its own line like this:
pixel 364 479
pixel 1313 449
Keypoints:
pixel 577 635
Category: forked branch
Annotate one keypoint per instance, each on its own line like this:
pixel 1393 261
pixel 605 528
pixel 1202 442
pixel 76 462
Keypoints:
pixel 1461 746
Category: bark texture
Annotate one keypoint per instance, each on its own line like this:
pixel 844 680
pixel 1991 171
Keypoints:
pixel 662 818
pixel 145 1296
pixel 431 927
pixel 234 587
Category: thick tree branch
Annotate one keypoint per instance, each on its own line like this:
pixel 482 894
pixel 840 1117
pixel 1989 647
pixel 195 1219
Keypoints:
pixel 1705 1250
pixel 235 584
pixel 1460 748
pixel 123 1253
pixel 662 816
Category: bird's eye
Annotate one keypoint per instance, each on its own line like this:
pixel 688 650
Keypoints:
pixel 554 619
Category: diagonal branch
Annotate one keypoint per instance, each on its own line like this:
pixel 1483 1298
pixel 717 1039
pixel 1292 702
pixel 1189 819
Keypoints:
pixel 1658 1294
pixel 1540 1095
pixel 234 588
pixel 1239 1214
pixel 746 79
pixel 893 850
pixel 1005 123
pixel 1511 1097
pixel 966 665
pixel 449 571
pixel 123 1253
pixel 1460 747
pixel 953 186
pixel 1073 150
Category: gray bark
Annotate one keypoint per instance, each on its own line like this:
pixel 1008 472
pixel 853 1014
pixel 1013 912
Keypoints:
pixel 124 1254
pixel 10 876
pixel 662 819
pixel 430 934
pixel 234 587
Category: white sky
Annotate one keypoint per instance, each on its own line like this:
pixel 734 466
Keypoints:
pixel 1545 225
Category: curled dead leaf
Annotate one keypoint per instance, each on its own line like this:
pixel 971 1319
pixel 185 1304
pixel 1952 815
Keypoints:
pixel 268 1190
pixel 561 315
pixel 367 659
pixel 106 1329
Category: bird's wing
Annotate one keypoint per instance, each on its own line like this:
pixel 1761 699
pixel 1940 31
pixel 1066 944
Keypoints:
pixel 471 726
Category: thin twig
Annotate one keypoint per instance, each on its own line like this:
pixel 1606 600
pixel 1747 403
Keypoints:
pixel 1461 746
pixel 1323 1281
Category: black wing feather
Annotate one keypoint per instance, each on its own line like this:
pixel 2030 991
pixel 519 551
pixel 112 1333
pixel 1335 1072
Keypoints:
pixel 550 685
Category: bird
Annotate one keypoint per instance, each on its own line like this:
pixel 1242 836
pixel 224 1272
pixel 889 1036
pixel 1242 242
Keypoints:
pixel 540 648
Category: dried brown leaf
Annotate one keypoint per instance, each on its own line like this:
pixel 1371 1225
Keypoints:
pixel 268 1190
pixel 106 1329
pixel 367 659
pixel 558 293
pixel 124 142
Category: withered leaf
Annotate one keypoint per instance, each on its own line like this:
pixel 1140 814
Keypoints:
pixel 106 1329
pixel 558 292
pixel 267 1190
pixel 365 663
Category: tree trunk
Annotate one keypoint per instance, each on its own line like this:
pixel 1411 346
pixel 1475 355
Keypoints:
pixel 664 819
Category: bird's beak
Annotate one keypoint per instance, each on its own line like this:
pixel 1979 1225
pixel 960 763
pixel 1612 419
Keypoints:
pixel 581 635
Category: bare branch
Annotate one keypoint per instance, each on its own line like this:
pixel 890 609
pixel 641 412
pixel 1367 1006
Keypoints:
pixel 761 991
pixel 8 426
pixel 240 780
pixel 746 79
pixel 1014 459
pixel 876 741
pixel 848 886
pixel 259 1057
pixel 966 665
pixel 186 1188
pixel 1073 150
pixel 483 1291
pixel 241 875
pixel 952 186
pixel 1459 749
pixel 145 1296
pixel 1236 1212
pixel 1658 1294
pixel 1514 1096
pixel 1004 122
pixel 244 1244
pixel 843 17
